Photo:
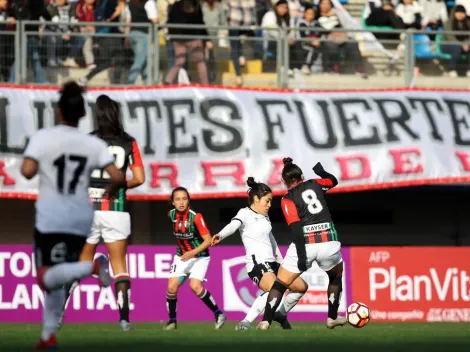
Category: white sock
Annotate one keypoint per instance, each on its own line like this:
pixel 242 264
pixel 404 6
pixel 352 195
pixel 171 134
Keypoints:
pixel 53 302
pixel 290 300
pixel 257 307
pixel 61 274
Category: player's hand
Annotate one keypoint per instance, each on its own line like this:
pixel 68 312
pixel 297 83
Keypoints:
pixel 188 255
pixel 215 240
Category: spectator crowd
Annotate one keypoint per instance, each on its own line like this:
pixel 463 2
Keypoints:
pixel 102 34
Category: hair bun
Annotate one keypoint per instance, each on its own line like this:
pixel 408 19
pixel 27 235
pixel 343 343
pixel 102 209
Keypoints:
pixel 287 161
pixel 251 182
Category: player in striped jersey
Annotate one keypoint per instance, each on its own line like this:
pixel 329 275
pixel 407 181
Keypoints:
pixel 263 257
pixel 192 256
pixel 112 221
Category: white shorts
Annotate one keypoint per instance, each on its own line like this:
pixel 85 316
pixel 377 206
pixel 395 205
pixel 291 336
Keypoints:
pixel 195 268
pixel 326 254
pixel 112 226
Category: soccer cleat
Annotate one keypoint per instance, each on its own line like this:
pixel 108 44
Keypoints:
pixel 264 325
pixel 243 325
pixel 220 321
pixel 171 325
pixel 101 268
pixel 339 321
pixel 125 325
pixel 50 344
pixel 281 319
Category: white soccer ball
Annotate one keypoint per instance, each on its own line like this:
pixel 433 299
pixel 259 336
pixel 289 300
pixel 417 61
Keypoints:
pixel 358 315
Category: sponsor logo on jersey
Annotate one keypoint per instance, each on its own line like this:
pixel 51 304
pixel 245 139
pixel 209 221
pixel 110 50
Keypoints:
pixel 317 227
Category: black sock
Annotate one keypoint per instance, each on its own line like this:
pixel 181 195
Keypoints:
pixel 122 286
pixel 209 301
pixel 171 306
pixel 274 300
pixel 335 288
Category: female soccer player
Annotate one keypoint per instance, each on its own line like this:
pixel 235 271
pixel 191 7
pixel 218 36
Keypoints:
pixel 314 239
pixel 192 256
pixel 112 221
pixel 263 257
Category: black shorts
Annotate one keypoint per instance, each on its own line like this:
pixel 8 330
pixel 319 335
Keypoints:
pixel 261 268
pixel 55 248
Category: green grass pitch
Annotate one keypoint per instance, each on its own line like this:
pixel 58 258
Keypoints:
pixel 191 337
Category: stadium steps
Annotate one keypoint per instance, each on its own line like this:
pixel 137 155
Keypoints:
pixel 355 8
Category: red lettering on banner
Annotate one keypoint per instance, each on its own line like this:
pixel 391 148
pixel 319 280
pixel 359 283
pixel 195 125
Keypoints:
pixel 416 289
pixel 7 179
pixel 464 160
pixel 170 175
pixel 404 164
pixel 345 164
pixel 275 178
pixel 236 169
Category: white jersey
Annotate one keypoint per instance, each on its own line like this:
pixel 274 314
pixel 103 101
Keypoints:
pixel 66 158
pixel 255 230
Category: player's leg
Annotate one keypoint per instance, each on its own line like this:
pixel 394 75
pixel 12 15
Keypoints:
pixel 197 275
pixel 330 260
pixel 296 291
pixel 115 229
pixel 178 274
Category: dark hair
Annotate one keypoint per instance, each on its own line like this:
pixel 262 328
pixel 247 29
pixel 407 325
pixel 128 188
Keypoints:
pixel 106 113
pixel 177 189
pixel 285 18
pixel 71 103
pixel 256 189
pixel 291 173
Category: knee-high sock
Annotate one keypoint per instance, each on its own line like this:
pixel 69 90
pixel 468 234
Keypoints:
pixel 53 302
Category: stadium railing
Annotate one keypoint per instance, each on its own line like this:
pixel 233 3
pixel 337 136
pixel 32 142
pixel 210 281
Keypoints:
pixel 271 60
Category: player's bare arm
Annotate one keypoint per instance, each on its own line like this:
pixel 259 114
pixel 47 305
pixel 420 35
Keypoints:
pixel 116 179
pixel 29 168
pixel 138 177
pixel 201 248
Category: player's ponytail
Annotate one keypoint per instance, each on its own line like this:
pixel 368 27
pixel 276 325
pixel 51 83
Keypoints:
pixel 291 173
pixel 107 114
pixel 256 189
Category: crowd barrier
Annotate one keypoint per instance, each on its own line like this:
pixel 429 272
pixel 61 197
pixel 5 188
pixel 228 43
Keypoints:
pixel 397 283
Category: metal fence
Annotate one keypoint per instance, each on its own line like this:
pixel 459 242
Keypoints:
pixel 120 54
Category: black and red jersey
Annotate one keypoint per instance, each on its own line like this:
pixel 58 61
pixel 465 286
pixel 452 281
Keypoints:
pixel 306 203
pixel 126 155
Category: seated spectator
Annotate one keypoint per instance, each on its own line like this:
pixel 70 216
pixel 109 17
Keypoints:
pixel 458 22
pixel 307 29
pixel 465 4
pixel 85 12
pixel 141 12
pixel 7 42
pixel 241 13
pixel 410 12
pixel 187 12
pixel 382 14
pixel 337 42
pixel 280 17
pixel 66 46
pixel 434 14
pixel 214 16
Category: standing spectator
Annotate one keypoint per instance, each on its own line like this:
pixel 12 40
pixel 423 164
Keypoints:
pixel 31 10
pixel 85 12
pixel 141 12
pixel 307 29
pixel 410 12
pixel 280 17
pixel 457 44
pixel 7 52
pixel 214 16
pixel 337 42
pixel 187 12
pixel 241 13
pixel 66 45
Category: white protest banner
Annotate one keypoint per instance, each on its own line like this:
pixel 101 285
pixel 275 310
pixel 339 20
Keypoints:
pixel 211 139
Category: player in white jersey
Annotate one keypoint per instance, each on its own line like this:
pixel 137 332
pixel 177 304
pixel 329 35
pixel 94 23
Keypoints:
pixel 262 257
pixel 64 158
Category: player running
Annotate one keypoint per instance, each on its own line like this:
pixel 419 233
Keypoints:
pixel 112 221
pixel 314 239
pixel 192 256
pixel 64 159
pixel 262 257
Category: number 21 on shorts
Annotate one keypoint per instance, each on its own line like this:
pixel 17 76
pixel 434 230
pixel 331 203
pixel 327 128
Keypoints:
pixel 310 198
